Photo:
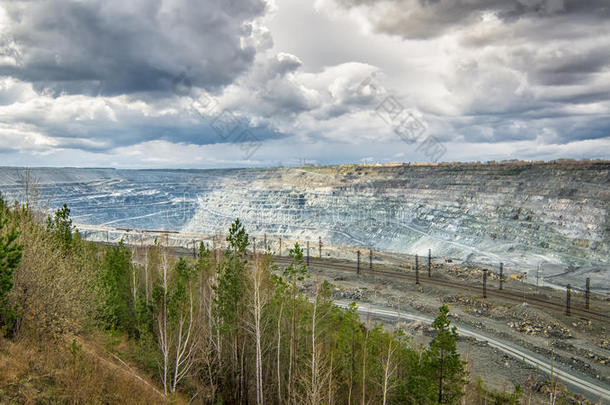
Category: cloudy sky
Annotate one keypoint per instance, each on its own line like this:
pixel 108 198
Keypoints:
pixel 226 83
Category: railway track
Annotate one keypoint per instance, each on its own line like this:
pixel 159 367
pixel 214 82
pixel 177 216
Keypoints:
pixel 491 292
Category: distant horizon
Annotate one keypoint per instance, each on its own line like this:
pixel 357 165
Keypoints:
pixel 372 164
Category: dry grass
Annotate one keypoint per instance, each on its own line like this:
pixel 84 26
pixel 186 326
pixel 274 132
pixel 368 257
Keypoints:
pixel 31 373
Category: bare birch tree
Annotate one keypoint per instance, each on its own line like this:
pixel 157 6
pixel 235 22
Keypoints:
pixel 162 324
pixel 30 188
pixel 279 353
pixel 185 345
pixel 176 323
pixel 364 359
pixel 319 374
pixel 259 301
pixel 314 393
pixel 389 368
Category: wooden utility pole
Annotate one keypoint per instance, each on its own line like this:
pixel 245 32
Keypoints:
pixel 308 253
pixel 484 283
pixel 429 262
pixel 280 252
pixel 501 281
pixel 568 298
pixel 358 263
pixel 587 292
pixel 320 246
pixel 416 269
pixel 370 259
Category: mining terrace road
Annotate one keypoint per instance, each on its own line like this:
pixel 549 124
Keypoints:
pixel 593 390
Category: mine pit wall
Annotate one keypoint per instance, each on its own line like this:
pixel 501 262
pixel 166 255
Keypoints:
pixel 525 215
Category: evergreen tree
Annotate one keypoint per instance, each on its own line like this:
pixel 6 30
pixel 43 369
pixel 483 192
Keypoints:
pixel 349 348
pixel 10 257
pixel 443 362
pixel 204 256
pixel 180 287
pixel 231 280
pixel 61 225
pixel 295 271
pixel 229 306
pixel 117 306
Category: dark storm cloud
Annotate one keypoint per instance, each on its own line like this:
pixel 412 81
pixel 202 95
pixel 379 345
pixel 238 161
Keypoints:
pixel 554 128
pixel 574 69
pixel 95 138
pixel 560 62
pixel 592 128
pixel 430 18
pixel 115 47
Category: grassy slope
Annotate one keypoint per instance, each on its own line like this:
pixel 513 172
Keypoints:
pixel 63 372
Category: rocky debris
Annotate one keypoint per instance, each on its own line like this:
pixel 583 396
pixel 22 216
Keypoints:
pixel 545 387
pixel 361 294
pixel 535 322
pixel 474 305
pixel 577 363
pixel 416 327
pixel 569 348
pixel 425 308
pixel 562 345
pixel 583 324
pixel 355 294
pixel 537 384
pixel 605 361
pixel 539 328
pixel 467 272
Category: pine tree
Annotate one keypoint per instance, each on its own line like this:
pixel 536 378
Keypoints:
pixel 10 257
pixel 443 362
pixel 349 340
pixel 117 310
pixel 61 226
pixel 231 279
pixel 295 272
pixel 229 305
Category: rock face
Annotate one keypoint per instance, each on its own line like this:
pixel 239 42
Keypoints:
pixel 524 214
